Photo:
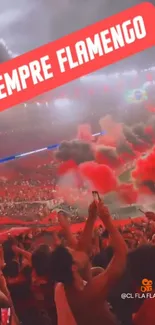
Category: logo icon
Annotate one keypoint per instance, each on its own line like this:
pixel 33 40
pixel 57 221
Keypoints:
pixel 146 285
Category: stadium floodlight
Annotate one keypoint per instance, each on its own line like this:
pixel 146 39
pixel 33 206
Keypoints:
pixel 130 73
pixel 63 103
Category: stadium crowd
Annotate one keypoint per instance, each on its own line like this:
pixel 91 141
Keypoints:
pixel 94 273
pixel 79 277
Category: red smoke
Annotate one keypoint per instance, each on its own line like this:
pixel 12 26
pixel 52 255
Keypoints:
pixel 107 140
pixel 84 132
pixel 145 168
pixel 150 108
pixel 113 131
pixel 145 190
pixel 66 167
pixel 128 193
pixel 140 148
pixel 126 157
pixel 149 131
pixel 102 177
pixel 104 159
pixel 67 193
pixel 70 166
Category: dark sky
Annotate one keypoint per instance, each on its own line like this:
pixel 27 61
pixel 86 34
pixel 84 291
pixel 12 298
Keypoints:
pixel 26 24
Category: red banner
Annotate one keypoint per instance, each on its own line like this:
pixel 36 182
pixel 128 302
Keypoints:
pixel 77 54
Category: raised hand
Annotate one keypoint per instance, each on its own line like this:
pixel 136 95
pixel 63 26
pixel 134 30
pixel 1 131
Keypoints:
pixel 103 212
pixel 92 210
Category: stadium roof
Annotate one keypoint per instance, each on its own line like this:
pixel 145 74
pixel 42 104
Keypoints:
pixel 27 24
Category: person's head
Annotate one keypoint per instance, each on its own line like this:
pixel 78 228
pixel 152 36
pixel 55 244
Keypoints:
pixel 62 267
pixel 40 259
pixel 9 255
